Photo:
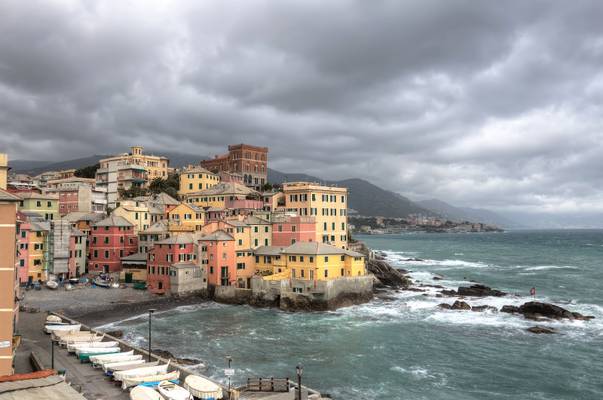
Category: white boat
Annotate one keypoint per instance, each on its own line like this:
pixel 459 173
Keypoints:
pixel 65 328
pixel 68 339
pixel 133 373
pixel 171 391
pixel 52 285
pixel 202 388
pixel 115 285
pixel 102 283
pixel 53 319
pixel 145 393
pixel 58 335
pixel 168 376
pixel 68 286
pixel 117 356
pixel 126 365
pixel 71 347
pixel 96 350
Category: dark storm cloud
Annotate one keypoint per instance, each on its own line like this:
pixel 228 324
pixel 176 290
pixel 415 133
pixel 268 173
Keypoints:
pixel 494 104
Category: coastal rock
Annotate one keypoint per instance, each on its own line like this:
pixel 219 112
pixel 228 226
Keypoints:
pixel 182 361
pixel 415 259
pixel 445 306
pixel 484 308
pixel 448 292
pixel 437 278
pixel 460 305
pixel 415 289
pixel 479 291
pixel 536 310
pixel 509 309
pixel 541 329
pixel 116 334
pixel 386 275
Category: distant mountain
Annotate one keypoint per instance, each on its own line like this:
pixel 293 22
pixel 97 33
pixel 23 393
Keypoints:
pixel 366 198
pixel 37 167
pixel 468 214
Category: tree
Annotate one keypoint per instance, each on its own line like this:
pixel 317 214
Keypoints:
pixel 134 191
pixel 87 172
pixel 169 186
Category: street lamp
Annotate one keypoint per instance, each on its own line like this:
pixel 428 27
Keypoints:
pixel 300 370
pixel 151 311
pixel 51 353
pixel 229 359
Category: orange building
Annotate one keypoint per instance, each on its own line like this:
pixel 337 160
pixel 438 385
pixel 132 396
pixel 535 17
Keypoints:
pixel 9 284
pixel 218 256
pixel 249 161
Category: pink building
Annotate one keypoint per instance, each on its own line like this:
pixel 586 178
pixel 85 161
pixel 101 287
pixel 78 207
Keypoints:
pixel 165 253
pixel 218 256
pixel 287 230
pixel 243 204
pixel 110 240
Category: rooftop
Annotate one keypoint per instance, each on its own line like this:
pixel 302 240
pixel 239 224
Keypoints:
pixel 40 196
pixel 114 220
pixel 225 188
pixel 318 249
pixel 182 238
pixel 217 235
pixel 6 196
pixel 268 251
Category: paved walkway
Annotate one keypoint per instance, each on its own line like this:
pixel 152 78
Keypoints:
pixel 92 383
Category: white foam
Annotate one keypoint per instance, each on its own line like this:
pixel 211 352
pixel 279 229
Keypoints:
pixel 548 267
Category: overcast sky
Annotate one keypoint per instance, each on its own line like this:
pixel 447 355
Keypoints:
pixel 480 103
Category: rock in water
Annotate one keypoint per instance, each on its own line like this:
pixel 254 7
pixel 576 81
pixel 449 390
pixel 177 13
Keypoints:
pixel 541 329
pixel 484 308
pixel 510 309
pixel 460 305
pixel 479 291
pixel 386 275
pixel 445 306
pixel 536 309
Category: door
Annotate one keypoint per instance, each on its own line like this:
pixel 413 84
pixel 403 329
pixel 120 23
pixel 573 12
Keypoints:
pixel 224 276
pixel 128 277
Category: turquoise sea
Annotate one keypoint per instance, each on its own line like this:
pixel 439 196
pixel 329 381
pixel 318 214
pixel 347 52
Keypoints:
pixel 407 348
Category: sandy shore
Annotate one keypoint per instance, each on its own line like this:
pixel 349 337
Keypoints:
pixel 99 306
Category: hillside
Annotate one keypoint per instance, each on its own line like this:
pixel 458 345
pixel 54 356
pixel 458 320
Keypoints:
pixel 468 214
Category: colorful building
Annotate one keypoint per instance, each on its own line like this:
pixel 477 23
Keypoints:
pixel 110 240
pixel 136 212
pixel 78 195
pixel 47 205
pixel 243 159
pixel 9 284
pixel 328 206
pixel 311 261
pixel 288 230
pixel 186 218
pixel 196 179
pixel 77 253
pixel 219 194
pixel 218 256
pixel 38 251
pixel 179 248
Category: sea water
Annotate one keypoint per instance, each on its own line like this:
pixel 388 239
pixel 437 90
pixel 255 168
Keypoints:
pixel 405 347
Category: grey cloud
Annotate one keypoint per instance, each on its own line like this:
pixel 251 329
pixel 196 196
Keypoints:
pixel 492 104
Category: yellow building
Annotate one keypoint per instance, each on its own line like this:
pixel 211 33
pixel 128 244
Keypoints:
pixel 327 204
pixel 38 251
pixel 309 261
pixel 186 218
pixel 220 195
pixel 136 212
pixel 260 231
pixel 196 179
pixel 3 170
pixel 46 205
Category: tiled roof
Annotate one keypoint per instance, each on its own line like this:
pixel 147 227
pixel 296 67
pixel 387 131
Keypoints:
pixel 6 196
pixel 114 220
pixel 83 216
pixel 225 188
pixel 313 248
pixel 184 264
pixel 181 238
pixel 268 251
pixel 157 227
pixel 140 257
pixel 217 235
pixel 253 220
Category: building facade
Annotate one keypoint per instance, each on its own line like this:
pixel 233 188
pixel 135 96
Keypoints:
pixel 249 161
pixel 110 240
pixel 46 205
pixel 165 253
pixel 327 204
pixel 196 179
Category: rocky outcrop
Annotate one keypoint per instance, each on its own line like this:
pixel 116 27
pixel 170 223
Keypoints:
pixel 116 334
pixel 301 302
pixel 541 329
pixel 457 305
pixel 484 308
pixel 386 275
pixel 169 356
pixel 479 291
pixel 510 309
pixel 536 309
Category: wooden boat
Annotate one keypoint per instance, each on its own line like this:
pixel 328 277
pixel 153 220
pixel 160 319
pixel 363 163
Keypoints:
pixel 68 339
pixel 57 335
pixel 102 283
pixel 151 380
pixel 145 393
pixel 53 319
pixel 127 365
pixel 66 328
pixel 202 388
pixel 118 356
pixel 133 373
pixel 68 286
pixel 171 391
pixel 71 347
pixel 74 281
pixel 84 353
pixel 52 285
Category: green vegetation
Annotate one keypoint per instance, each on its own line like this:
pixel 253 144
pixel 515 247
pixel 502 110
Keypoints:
pixel 169 186
pixel 87 172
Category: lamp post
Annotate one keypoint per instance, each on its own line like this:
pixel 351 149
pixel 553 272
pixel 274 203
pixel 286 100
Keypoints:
pixel 300 370
pixel 51 353
pixel 151 311
pixel 229 359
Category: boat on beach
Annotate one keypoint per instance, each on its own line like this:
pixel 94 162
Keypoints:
pixel 102 283
pixel 145 393
pixel 171 391
pixel 127 365
pixel 68 339
pixel 53 319
pixel 126 355
pixel 64 328
pixel 149 380
pixel 52 285
pixel 84 353
pixel 72 347
pixel 138 372
pixel 202 388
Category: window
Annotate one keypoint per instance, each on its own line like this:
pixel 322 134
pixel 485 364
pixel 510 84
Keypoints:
pixel 106 254
pixel 95 253
pixel 38 204
pixel 106 240
pixel 240 265
pixel 257 259
pixel 255 242
pixel 301 258
pixel 342 258
pixel 266 229
pixel 302 273
pixel 255 229
pixel 326 258
pixel 326 273
pixel 311 259
pixel 342 272
pixel 280 228
pixel 266 242
pixel 211 270
pixel 293 273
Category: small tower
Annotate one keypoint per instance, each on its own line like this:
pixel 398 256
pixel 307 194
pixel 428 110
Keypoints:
pixel 3 170
pixel 136 150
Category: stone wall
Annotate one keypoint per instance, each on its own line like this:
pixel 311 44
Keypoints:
pixel 232 295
